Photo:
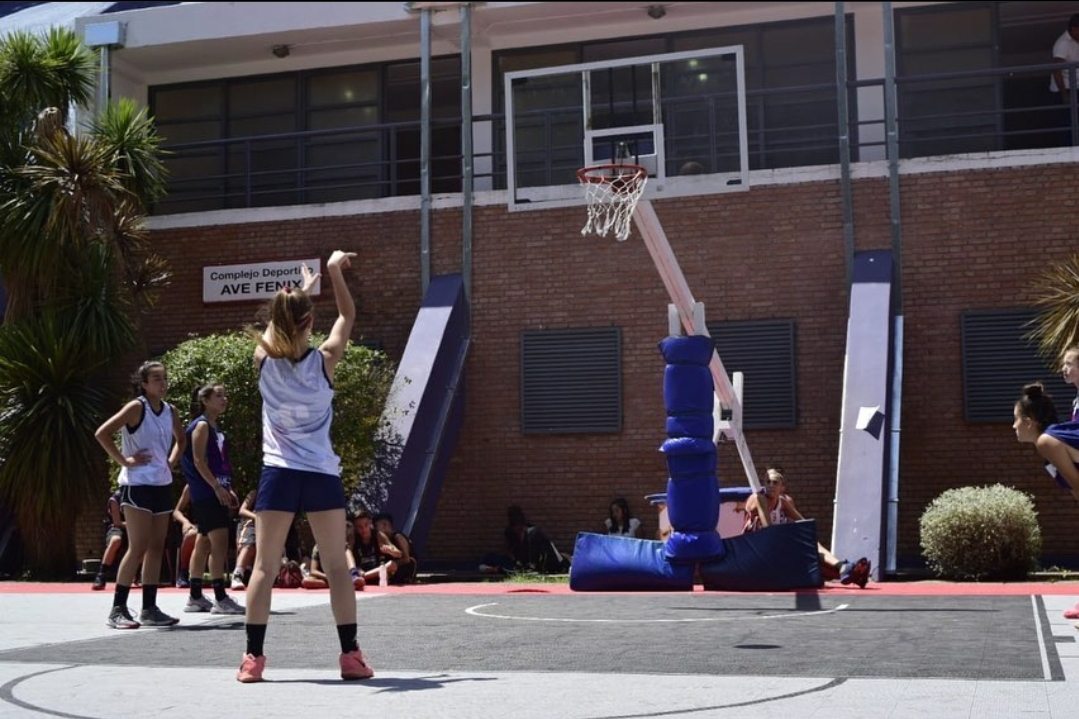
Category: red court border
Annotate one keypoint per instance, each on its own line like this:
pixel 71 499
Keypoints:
pixel 926 588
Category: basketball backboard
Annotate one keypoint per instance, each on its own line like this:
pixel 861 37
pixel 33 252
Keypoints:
pixel 674 114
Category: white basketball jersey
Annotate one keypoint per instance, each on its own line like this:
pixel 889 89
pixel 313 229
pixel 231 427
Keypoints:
pixel 297 409
pixel 153 435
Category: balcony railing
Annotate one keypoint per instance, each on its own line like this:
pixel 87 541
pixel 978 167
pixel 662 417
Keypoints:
pixel 940 114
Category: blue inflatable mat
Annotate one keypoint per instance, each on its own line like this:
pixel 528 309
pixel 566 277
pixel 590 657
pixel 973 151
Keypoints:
pixel 778 558
pixel 605 563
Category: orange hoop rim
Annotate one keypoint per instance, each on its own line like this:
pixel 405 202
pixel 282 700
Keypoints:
pixel 629 174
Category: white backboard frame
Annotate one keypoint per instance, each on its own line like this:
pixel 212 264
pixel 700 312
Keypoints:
pixel 568 195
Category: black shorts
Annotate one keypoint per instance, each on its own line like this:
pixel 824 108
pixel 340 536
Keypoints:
pixel 209 514
pixel 115 531
pixel 155 499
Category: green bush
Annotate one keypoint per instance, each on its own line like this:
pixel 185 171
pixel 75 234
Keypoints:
pixel 361 382
pixel 976 533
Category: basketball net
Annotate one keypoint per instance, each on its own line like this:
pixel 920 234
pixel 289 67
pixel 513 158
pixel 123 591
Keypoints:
pixel 611 193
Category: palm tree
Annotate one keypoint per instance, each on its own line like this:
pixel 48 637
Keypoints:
pixel 77 264
pixel 1056 325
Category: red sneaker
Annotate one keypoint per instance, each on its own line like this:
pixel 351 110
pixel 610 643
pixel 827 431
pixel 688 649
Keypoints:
pixel 1072 613
pixel 354 667
pixel 251 669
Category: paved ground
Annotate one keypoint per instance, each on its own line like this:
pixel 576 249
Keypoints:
pixel 470 650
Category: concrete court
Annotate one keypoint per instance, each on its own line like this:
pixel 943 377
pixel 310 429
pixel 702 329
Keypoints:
pixel 893 650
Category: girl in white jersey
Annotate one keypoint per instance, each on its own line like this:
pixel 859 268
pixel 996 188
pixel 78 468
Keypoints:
pixel 300 471
pixel 151 442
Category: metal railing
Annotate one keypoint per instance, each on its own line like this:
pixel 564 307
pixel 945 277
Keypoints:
pixel 938 114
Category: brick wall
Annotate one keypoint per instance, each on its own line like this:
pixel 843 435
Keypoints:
pixel 971 240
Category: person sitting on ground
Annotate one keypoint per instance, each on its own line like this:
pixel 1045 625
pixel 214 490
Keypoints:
pixel 398 548
pixel 620 521
pixel 367 548
pixel 781 510
pixel 315 578
pixel 245 542
pixel 530 547
pixel 115 537
pixel 189 535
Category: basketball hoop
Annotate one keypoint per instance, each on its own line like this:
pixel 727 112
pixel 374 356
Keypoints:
pixel 611 192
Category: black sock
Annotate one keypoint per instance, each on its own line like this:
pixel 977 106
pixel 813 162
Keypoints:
pixel 219 588
pixel 103 570
pixel 119 595
pixel 196 587
pixel 256 637
pixel 347 634
pixel 149 596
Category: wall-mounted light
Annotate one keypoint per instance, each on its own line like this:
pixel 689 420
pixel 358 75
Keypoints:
pixel 281 51
pixel 656 11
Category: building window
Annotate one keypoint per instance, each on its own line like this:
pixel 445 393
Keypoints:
pixel 324 135
pixel 790 92
pixel 571 381
pixel 763 351
pixel 998 360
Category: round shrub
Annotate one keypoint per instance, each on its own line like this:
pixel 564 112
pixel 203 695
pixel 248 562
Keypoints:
pixel 976 533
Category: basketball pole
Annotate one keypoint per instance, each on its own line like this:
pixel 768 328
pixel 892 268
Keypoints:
pixel 655 239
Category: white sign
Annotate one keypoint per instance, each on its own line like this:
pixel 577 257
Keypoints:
pixel 259 281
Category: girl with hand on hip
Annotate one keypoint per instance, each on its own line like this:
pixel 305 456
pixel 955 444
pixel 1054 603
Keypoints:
pixel 151 442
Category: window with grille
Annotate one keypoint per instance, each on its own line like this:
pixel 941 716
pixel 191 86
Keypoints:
pixel 571 381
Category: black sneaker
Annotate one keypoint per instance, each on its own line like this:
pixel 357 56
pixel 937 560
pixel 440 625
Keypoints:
pixel 120 618
pixel 154 617
pixel 99 583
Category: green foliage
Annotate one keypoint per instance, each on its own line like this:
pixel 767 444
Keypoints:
pixel 978 533
pixel 49 410
pixel 361 383
pixel 1056 326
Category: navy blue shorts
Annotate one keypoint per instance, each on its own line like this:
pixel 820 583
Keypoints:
pixel 155 499
pixel 209 514
pixel 294 490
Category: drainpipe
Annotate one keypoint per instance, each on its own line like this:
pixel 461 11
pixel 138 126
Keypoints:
pixel 425 149
pixel 466 148
pixel 844 139
pixel 894 423
pixel 105 36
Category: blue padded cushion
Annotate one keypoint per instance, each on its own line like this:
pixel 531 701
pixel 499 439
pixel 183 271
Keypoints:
pixel 777 558
pixel 687 390
pixel 694 349
pixel 604 563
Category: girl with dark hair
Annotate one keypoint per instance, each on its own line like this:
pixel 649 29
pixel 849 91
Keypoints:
pixel 1057 442
pixel 619 520
pixel 300 470
pixel 209 484
pixel 151 442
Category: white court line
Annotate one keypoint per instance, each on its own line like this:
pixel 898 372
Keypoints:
pixel 1046 672
pixel 475 611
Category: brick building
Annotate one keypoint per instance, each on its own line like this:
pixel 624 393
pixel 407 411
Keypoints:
pixel 983 202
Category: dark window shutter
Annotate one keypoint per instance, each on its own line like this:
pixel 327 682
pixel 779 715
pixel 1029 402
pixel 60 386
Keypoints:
pixel 763 351
pixel 571 381
pixel 998 360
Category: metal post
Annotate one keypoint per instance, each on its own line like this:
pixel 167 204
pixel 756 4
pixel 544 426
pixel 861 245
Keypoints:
pixel 466 148
pixel 844 139
pixel 425 148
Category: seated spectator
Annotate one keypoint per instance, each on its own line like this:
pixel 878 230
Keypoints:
pixel 115 538
pixel 245 542
pixel 315 578
pixel 189 535
pixel 367 548
pixel 530 547
pixel 398 548
pixel 781 510
pixel 620 521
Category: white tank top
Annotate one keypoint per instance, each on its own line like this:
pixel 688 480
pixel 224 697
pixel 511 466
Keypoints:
pixel 153 434
pixel 297 408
